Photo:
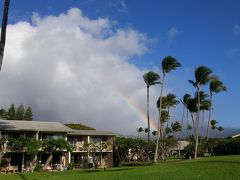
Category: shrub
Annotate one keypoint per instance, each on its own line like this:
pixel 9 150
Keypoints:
pixel 38 168
pixel 71 166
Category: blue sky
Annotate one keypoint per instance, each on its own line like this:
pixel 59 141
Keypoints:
pixel 195 32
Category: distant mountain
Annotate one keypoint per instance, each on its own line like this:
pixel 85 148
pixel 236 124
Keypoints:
pixel 224 134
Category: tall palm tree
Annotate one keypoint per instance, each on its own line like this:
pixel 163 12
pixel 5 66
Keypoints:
pixel 176 127
pixel 205 106
pixel 150 78
pixel 3 30
pixel 139 130
pixel 213 126
pixel 220 129
pixel 202 77
pixel 215 86
pixel 168 64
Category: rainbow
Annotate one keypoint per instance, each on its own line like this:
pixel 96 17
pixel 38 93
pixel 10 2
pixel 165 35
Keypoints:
pixel 134 106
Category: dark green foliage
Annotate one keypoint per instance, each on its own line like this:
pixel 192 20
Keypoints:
pixel 217 86
pixel 151 78
pixel 11 113
pixel 28 114
pixel 137 146
pixel 227 147
pixel 71 166
pixel 3 114
pixel 169 63
pixel 79 127
pixel 32 146
pixel 38 168
pixel 52 145
pixel 20 112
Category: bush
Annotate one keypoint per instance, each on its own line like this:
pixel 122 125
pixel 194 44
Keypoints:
pixel 71 166
pixel 38 168
pixel 228 147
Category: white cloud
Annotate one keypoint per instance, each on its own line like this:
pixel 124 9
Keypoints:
pixel 71 68
pixel 236 29
pixel 172 33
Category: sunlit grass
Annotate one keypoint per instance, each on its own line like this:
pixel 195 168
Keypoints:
pixel 223 167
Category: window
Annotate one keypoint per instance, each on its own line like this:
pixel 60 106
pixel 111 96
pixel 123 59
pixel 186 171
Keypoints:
pixel 96 140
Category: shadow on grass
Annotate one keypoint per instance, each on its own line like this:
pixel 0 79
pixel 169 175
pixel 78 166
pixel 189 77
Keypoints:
pixel 137 164
pixel 22 176
pixel 107 170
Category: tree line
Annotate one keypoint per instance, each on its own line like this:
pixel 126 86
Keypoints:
pixel 19 113
pixel 195 105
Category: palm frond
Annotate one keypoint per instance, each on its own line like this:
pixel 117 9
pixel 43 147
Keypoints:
pixel 151 78
pixel 169 63
pixel 192 83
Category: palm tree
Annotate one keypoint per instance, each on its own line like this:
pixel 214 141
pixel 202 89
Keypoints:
pixel 139 130
pixel 150 78
pixel 220 129
pixel 213 126
pixel 202 76
pixel 176 127
pixel 189 128
pixel 3 30
pixel 154 133
pixel 215 86
pixel 168 64
pixel 204 106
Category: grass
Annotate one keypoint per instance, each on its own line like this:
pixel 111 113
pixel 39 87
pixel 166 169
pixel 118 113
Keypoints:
pixel 220 168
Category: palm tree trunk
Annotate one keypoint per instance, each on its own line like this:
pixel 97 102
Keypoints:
pixel 160 127
pixel 202 123
pixel 3 30
pixel 197 122
pixel 148 114
pixel 181 130
pixel 210 114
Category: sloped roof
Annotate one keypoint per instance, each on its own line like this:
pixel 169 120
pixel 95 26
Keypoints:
pixel 43 126
pixel 92 133
pixel 235 135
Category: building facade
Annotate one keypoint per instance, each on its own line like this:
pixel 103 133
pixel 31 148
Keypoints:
pixel 91 148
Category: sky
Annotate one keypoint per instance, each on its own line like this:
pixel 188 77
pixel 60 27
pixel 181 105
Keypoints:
pixel 83 61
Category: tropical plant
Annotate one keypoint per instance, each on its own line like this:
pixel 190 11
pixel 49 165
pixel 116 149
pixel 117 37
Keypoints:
pixel 53 145
pixel 139 130
pixel 202 77
pixel 215 86
pixel 168 64
pixel 3 30
pixel 213 126
pixel 150 78
pixel 176 127
pixel 220 129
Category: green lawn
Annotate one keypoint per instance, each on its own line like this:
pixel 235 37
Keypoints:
pixel 220 168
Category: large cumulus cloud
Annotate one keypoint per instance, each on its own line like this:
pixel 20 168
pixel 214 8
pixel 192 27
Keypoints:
pixel 71 68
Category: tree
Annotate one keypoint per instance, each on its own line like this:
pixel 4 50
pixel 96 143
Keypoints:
pixel 176 127
pixel 213 126
pixel 168 64
pixel 52 145
pixel 215 86
pixel 11 113
pixel 220 129
pixel 20 113
pixel 150 78
pixel 139 130
pixel 3 114
pixel 3 30
pixel 202 77
pixel 28 114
